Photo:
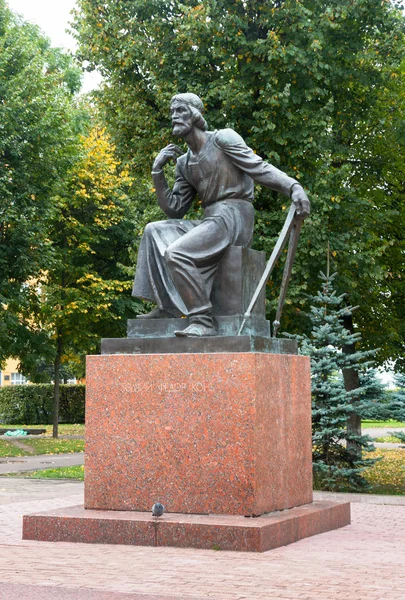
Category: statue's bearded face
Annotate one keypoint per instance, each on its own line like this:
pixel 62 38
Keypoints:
pixel 182 119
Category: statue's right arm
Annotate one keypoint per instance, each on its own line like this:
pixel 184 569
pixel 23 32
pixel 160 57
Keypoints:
pixel 176 202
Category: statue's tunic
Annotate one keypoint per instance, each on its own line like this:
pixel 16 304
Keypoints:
pixel 177 258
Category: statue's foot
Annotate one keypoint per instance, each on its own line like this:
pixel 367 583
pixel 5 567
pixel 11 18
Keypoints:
pixel 197 330
pixel 156 313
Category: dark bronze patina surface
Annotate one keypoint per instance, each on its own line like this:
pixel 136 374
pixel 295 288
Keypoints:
pixel 198 344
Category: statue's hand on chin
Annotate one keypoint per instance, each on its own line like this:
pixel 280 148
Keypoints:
pixel 170 152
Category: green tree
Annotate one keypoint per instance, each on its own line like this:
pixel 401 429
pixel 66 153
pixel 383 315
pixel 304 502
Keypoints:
pixel 337 451
pixel 85 292
pixel 37 139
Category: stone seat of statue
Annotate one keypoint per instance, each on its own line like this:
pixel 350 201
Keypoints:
pixel 235 282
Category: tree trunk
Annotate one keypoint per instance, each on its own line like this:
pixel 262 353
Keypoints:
pixel 56 389
pixel 352 382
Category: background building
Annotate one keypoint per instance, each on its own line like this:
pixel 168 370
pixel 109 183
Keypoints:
pixel 10 375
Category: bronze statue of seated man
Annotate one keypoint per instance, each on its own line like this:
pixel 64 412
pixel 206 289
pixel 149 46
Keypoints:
pixel 178 258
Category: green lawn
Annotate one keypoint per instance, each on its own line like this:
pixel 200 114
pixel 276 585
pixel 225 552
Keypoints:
pixel 8 449
pixel 58 473
pixel 54 446
pixel 40 446
pixel 44 443
pixel 381 424
pixel 388 439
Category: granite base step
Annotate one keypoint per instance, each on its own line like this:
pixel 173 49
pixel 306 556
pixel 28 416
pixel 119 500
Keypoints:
pixel 216 532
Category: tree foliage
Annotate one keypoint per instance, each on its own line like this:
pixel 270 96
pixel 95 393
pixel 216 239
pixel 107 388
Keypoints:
pixel 84 294
pixel 32 404
pixel 307 84
pixel 66 220
pixel 37 138
pixel 86 290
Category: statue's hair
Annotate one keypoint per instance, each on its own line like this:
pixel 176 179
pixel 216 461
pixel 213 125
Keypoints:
pixel 196 107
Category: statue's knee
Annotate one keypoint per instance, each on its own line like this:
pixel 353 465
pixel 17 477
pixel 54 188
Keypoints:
pixel 151 228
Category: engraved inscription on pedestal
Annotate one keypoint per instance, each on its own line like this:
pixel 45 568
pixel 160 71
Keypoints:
pixel 163 387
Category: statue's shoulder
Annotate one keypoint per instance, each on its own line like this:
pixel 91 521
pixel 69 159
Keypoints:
pixel 226 138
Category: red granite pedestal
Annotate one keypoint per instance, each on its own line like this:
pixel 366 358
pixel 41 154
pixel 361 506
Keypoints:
pixel 201 433
pixel 215 437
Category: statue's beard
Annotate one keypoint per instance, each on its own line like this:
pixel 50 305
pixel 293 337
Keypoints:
pixel 182 129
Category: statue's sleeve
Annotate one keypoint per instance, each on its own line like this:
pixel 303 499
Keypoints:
pixel 233 145
pixel 174 202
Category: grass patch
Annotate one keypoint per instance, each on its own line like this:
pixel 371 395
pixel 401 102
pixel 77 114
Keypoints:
pixel 40 445
pixel 69 429
pixel 59 473
pixel 388 439
pixel 53 446
pixel 8 449
pixel 381 424
pixel 387 475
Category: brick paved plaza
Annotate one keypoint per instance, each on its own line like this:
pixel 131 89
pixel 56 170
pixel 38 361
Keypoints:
pixel 363 561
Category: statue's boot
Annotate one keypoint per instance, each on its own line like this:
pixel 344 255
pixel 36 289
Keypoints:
pixel 156 313
pixel 200 326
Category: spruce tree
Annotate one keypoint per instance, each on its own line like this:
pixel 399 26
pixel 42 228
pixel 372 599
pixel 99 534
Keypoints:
pixel 374 391
pixel 338 456
pixel 397 405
